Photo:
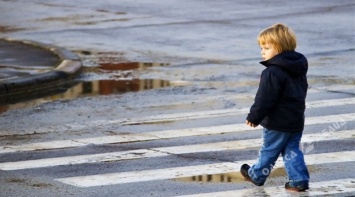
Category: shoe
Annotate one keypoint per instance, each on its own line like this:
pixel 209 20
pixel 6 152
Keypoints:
pixel 295 189
pixel 244 170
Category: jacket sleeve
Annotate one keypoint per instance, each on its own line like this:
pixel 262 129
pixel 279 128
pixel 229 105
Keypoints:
pixel 266 98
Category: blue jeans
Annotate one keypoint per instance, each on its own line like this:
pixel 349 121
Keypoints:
pixel 288 144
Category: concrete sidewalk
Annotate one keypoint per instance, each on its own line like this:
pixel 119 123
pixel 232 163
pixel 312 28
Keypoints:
pixel 27 66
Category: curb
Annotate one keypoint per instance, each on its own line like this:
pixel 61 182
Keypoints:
pixel 69 68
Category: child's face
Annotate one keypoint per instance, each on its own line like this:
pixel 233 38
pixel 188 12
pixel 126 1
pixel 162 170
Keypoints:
pixel 268 51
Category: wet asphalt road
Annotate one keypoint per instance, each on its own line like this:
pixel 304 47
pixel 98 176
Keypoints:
pixel 210 58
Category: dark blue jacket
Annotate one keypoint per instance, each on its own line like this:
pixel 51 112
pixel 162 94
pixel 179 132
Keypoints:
pixel 280 100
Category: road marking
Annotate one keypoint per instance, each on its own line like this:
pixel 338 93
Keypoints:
pixel 187 171
pixel 163 151
pixel 226 112
pixel 200 114
pixel 167 134
pixel 71 160
pixel 239 97
pixel 323 188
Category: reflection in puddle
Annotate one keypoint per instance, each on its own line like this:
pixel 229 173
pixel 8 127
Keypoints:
pixel 129 65
pixel 107 87
pixel 109 67
pixel 232 177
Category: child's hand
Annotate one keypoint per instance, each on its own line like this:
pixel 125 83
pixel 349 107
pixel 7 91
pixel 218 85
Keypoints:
pixel 251 124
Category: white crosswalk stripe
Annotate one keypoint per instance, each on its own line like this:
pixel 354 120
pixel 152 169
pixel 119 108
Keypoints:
pixel 208 114
pixel 228 112
pixel 171 173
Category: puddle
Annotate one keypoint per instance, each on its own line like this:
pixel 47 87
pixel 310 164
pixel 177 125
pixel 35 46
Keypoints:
pixel 231 177
pixel 82 89
pixel 118 78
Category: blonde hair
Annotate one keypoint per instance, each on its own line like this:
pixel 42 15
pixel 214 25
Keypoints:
pixel 279 35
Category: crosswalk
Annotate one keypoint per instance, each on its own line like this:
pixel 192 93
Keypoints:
pixel 171 173
pixel 343 185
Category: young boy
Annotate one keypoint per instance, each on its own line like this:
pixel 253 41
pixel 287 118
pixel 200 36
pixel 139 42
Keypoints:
pixel 279 107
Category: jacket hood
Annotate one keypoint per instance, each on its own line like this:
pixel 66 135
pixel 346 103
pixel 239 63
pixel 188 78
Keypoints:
pixel 291 61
